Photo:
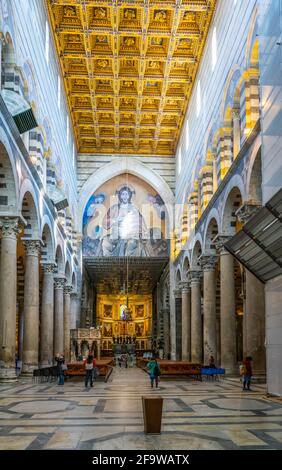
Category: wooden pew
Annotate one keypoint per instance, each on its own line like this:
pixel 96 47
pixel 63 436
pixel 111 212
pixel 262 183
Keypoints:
pixel 77 369
pixel 174 368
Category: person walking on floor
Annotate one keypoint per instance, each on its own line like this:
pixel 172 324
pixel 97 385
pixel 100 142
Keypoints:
pixel 154 372
pixel 247 372
pixel 59 358
pixel 90 364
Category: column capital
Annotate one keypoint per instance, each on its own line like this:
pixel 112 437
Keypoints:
pixel 235 113
pixel 9 227
pixel 32 247
pixel 79 237
pixel 246 211
pixel 59 282
pixel 195 275
pixel 177 293
pixel 67 290
pixel 48 268
pixel 208 261
pixel 74 294
pixel 184 286
pixel 2 40
pixel 219 242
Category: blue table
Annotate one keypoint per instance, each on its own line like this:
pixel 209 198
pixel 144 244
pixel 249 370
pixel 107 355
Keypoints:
pixel 212 372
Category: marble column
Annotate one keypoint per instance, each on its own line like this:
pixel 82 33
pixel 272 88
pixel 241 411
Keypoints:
pixel 196 316
pixel 186 321
pixel 166 316
pixel 255 323
pixel 47 315
pixel 227 308
pixel 236 132
pixel 67 321
pixel 8 298
pixel 208 263
pixel 59 315
pixel 73 310
pixel 178 323
pixel 31 306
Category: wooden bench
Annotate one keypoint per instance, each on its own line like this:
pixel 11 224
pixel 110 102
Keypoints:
pixel 174 368
pixel 77 369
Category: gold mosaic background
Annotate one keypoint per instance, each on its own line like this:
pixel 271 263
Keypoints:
pixel 129 69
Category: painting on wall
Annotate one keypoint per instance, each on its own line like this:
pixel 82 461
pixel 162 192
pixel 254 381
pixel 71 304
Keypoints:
pixel 130 329
pixel 139 311
pixel 125 217
pixel 108 311
pixel 107 330
pixel 116 329
pixel 139 329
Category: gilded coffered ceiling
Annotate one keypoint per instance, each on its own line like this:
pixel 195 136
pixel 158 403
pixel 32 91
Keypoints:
pixel 129 69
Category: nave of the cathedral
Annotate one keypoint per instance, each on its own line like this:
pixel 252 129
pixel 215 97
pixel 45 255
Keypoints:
pixel 140 220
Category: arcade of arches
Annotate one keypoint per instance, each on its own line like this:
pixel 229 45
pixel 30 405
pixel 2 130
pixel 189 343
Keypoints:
pixel 140 209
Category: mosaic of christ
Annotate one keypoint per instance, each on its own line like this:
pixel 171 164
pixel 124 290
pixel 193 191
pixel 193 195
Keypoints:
pixel 125 217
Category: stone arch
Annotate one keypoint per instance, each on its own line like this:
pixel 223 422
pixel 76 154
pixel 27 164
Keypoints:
pixel 9 69
pixel 185 267
pixel 47 251
pixel 231 98
pixel 68 224
pixel 209 137
pixel 74 281
pixel 59 259
pixel 30 213
pixel 178 276
pixel 68 273
pixel 31 87
pixel 196 168
pixel 47 129
pixel 233 202
pixel 211 232
pixel 197 251
pixel 8 181
pixel 254 178
pixel 8 49
pixel 120 166
pixel 252 37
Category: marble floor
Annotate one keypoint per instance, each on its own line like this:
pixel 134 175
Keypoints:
pixel 196 415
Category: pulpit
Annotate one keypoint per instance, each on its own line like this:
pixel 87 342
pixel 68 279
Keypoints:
pixel 84 340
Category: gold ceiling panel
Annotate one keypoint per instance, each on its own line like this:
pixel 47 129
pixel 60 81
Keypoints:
pixel 129 69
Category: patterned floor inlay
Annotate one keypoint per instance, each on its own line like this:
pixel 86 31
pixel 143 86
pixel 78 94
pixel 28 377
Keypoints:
pixel 196 415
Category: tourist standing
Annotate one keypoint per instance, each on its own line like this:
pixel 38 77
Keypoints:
pixel 247 372
pixel 59 358
pixel 90 364
pixel 154 372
